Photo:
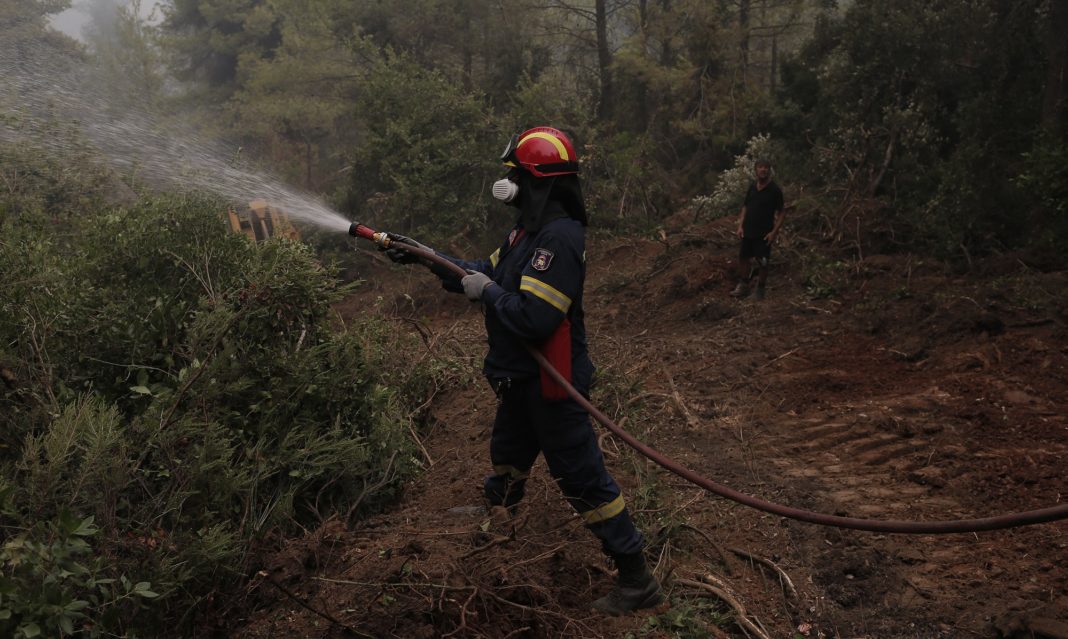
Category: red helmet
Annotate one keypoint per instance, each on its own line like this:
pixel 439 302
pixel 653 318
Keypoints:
pixel 543 151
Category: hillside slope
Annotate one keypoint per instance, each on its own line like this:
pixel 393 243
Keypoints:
pixel 908 393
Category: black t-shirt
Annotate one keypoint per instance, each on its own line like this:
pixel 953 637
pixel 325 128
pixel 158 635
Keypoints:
pixel 760 208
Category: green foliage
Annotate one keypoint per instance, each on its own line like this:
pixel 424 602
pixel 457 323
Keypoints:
pixel 684 620
pixel 549 99
pixel 206 38
pixel 294 103
pixel 1044 178
pixel 185 389
pixel 127 53
pixel 422 168
pixel 620 190
pixel 46 187
pixel 51 583
pixel 823 276
pixel 939 137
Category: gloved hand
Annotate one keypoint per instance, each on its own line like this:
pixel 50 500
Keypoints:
pixel 475 284
pixel 399 255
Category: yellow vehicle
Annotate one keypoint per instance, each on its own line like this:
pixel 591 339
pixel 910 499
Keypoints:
pixel 261 221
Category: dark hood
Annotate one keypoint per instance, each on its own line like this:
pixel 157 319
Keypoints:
pixel 541 200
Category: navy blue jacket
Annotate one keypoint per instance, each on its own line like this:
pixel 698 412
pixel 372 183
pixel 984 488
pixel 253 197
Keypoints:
pixel 540 280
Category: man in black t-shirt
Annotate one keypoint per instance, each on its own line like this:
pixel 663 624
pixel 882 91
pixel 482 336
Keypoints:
pixel 758 226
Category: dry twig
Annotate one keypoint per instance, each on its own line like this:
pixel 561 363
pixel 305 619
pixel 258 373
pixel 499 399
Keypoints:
pixel 720 591
pixel 727 563
pixel 691 421
pixel 783 577
pixel 784 355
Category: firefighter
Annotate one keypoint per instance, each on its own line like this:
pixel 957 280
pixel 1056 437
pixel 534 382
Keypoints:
pixel 532 290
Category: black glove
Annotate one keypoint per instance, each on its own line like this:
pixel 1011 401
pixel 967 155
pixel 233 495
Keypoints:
pixel 399 255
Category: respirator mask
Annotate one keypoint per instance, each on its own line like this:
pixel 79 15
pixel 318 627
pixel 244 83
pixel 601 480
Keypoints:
pixel 505 190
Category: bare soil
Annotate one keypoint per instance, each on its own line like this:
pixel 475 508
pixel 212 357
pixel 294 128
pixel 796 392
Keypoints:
pixel 910 393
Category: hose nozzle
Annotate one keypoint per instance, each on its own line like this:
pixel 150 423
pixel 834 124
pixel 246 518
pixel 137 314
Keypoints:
pixel 359 230
pixel 380 238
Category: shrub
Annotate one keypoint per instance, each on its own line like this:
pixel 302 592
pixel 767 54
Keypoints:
pixel 182 394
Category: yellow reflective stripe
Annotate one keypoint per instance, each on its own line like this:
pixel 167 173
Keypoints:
pixel 496 257
pixel 545 292
pixel 604 511
pixel 510 471
pixel 552 139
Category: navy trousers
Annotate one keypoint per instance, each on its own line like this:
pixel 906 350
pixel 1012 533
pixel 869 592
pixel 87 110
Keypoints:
pixel 526 425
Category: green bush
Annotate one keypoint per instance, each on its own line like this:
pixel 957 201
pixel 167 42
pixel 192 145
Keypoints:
pixel 50 581
pixel 1044 177
pixel 181 393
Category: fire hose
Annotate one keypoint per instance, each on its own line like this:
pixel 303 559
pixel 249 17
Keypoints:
pixel 1011 520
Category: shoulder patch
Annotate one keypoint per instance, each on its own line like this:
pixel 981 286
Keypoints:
pixel 541 260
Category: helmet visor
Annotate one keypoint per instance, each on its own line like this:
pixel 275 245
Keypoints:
pixel 508 156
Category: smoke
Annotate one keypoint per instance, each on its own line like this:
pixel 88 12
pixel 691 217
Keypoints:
pixel 45 92
pixel 86 20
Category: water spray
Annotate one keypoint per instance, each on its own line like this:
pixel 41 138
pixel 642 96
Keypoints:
pixel 59 104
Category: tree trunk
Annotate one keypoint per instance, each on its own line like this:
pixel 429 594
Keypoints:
pixel 773 77
pixel 1053 98
pixel 466 53
pixel 604 63
pixel 743 40
pixel 667 52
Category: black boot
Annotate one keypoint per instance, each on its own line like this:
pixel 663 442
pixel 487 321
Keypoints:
pixel 636 587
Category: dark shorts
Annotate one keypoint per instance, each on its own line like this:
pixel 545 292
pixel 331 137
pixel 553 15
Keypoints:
pixel 754 247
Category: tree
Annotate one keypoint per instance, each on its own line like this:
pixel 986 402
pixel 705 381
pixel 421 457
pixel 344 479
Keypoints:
pixel 293 107
pixel 206 38
pixel 942 133
pixel 426 150
pixel 126 50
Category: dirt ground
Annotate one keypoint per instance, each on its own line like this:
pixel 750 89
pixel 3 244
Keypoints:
pixel 910 393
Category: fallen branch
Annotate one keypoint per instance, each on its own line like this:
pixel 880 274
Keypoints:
pixel 411 431
pixel 741 615
pixel 783 577
pixel 719 550
pixel 784 355
pixel 463 613
pixel 691 421
pixel 548 553
pixel 368 490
